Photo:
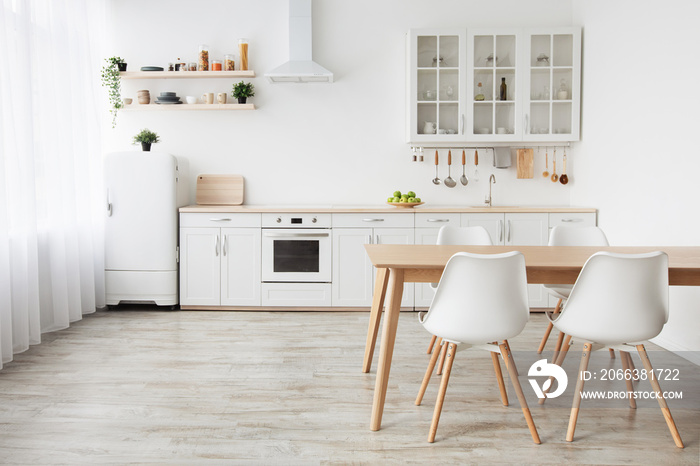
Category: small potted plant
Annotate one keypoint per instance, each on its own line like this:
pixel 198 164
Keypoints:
pixel 112 81
pixel 242 91
pixel 146 137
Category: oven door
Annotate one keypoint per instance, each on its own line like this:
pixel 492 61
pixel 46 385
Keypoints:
pixel 296 255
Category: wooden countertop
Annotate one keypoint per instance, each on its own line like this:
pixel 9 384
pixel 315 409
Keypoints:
pixel 332 209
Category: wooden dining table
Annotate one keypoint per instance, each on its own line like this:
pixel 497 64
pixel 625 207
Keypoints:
pixel 399 264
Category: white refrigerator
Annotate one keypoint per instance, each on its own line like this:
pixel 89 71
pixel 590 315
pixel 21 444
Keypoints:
pixel 144 191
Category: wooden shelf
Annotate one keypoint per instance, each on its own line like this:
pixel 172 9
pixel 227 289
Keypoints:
pixel 186 74
pixel 184 107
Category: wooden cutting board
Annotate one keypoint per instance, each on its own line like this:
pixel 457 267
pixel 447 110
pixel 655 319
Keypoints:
pixel 525 164
pixel 220 189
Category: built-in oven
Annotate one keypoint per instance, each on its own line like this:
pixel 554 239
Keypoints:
pixel 296 259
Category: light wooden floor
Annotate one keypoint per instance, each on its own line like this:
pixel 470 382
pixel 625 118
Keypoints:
pixel 194 387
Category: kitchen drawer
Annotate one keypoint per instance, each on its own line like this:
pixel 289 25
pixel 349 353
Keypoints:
pixel 436 220
pixel 214 219
pixel 403 220
pixel 574 219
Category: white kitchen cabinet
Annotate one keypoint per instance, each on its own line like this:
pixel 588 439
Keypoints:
pixel 552 84
pixel 533 64
pixel 436 85
pixel 220 266
pixel 353 273
pixel 515 229
pixel 493 60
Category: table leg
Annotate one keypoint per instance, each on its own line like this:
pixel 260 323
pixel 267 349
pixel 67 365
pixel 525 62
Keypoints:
pixel 374 316
pixel 386 350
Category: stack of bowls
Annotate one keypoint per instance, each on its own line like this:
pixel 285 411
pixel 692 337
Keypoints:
pixel 168 98
pixel 144 97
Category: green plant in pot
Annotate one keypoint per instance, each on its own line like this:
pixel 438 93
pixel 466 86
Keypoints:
pixel 146 137
pixel 242 91
pixel 112 81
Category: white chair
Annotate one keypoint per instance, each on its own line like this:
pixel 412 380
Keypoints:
pixel 618 301
pixel 471 236
pixel 568 236
pixel 481 300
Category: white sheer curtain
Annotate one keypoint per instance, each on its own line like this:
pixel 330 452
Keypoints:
pixel 50 167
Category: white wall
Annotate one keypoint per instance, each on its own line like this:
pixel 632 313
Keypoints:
pixel 637 162
pixel 313 144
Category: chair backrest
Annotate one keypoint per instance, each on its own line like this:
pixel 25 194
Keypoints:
pixel 473 236
pixel 577 236
pixel 618 298
pixel 480 298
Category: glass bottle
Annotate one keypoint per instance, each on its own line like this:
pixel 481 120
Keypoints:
pixel 203 64
pixel 229 63
pixel 243 52
pixel 504 89
pixel 479 93
pixel 562 93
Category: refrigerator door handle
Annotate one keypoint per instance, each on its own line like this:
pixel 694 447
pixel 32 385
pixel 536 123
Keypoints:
pixel 109 205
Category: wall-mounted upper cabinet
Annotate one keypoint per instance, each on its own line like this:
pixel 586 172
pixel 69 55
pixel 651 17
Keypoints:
pixel 493 85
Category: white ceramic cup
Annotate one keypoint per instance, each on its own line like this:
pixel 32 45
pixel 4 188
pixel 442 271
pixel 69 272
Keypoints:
pixel 191 99
pixel 500 130
pixel 221 97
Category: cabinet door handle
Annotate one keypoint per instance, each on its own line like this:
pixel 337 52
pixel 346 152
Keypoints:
pixel 219 219
pixel 461 124
pixel 500 231
pixel 527 123
pixel 372 219
pixel 369 239
pixel 216 246
pixel 569 220
pixel 510 227
pixel 438 219
pixel 225 244
pixel 377 237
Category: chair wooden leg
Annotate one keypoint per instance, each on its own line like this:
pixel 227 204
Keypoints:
pixel 659 396
pixel 557 347
pixel 450 357
pixel 559 361
pixel 432 344
pixel 630 363
pixel 499 378
pixel 585 357
pixel 441 361
pixel 428 373
pixel 545 337
pixel 612 353
pixel 624 358
pixel 513 373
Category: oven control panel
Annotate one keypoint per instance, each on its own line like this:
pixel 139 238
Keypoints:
pixel 292 220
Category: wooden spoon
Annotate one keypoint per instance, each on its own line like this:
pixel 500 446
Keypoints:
pixel 545 173
pixel 476 164
pixel 563 179
pixel 554 176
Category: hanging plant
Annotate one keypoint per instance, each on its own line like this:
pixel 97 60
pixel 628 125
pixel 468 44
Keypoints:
pixel 112 81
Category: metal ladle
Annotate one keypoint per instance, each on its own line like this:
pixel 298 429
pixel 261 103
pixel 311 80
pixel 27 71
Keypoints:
pixel 436 180
pixel 463 179
pixel 449 182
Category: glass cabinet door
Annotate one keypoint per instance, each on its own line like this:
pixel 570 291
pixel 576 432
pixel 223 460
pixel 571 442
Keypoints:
pixel 436 84
pixel 493 94
pixel 552 108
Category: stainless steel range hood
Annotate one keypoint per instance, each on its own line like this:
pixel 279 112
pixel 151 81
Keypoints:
pixel 300 68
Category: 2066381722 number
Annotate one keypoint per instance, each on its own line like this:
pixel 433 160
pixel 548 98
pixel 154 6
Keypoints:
pixel 633 374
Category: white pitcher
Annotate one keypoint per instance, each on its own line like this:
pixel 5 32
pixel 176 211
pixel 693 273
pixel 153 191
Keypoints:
pixel 430 127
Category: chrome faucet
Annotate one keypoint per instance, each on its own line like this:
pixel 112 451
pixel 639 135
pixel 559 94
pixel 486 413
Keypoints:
pixel 491 178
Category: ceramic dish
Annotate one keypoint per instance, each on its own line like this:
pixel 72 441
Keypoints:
pixel 168 94
pixel 167 103
pixel 168 99
pixel 405 204
pixel 151 68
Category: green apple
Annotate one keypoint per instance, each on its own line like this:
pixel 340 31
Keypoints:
pixel 403 200
pixel 397 193
pixel 391 199
pixel 417 199
pixel 411 194
pixel 396 199
pixel 411 199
